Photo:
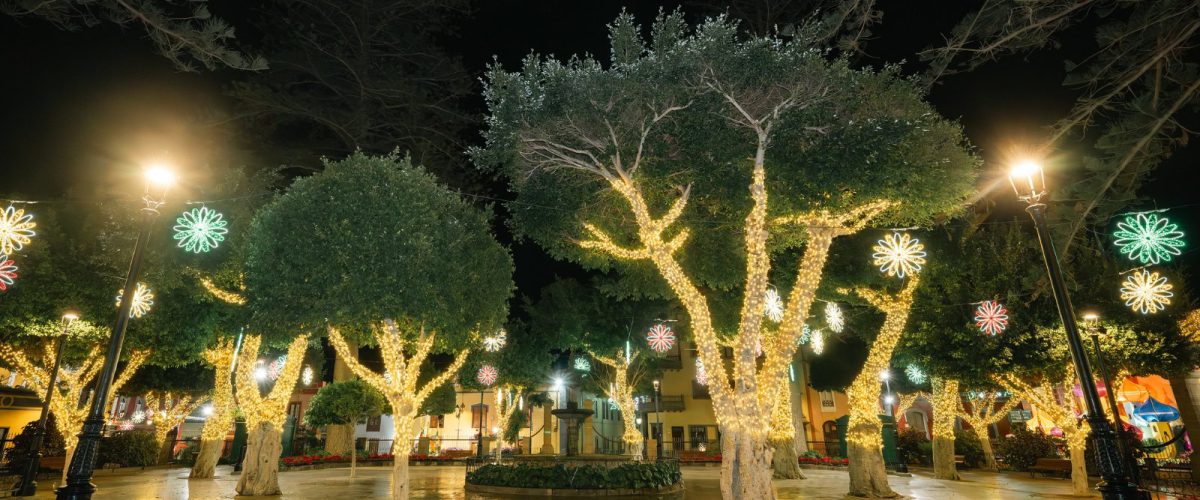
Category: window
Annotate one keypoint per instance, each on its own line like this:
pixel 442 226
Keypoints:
pixel 677 438
pixel 699 391
pixel 697 435
pixel 373 423
pixel 437 421
pixel 293 410
pixel 478 416
pixel 828 404
pixel 916 421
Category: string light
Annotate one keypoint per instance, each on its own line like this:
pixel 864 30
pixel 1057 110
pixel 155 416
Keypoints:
pixel 1045 400
pixel 899 255
pixel 773 305
pixel 222 295
pixel 272 408
pixel 834 318
pixel 620 392
pixel 143 299
pixel 946 405
pixel 661 338
pixel 200 229
pixel 991 317
pixel 170 411
pixel 1146 292
pixel 817 342
pixel 915 374
pixel 701 374
pixel 8 272
pixel 1148 238
pixel 16 229
pixel 982 415
pixel 495 341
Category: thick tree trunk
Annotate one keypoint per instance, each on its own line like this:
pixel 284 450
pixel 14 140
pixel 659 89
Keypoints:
pixel 206 460
pixel 339 439
pixel 868 476
pixel 943 457
pixel 782 436
pixel 946 403
pixel 1079 477
pixel 745 467
pixel 989 456
pixel 70 453
pixel 400 446
pixel 784 461
pixel 165 447
pixel 260 468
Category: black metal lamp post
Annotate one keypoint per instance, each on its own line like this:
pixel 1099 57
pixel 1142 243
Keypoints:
pixel 889 399
pixel 1092 320
pixel 79 473
pixel 1029 183
pixel 481 416
pixel 27 485
pixel 658 419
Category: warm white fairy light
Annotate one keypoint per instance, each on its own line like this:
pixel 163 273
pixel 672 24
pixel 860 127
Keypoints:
pixel 899 255
pixel 495 341
pixel 701 374
pixel 138 417
pixel 773 305
pixel 834 318
pixel 143 300
pixel 16 229
pixel 306 375
pixel 1147 292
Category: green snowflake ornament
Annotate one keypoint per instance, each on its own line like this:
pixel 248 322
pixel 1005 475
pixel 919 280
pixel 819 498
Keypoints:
pixel 200 229
pixel 1148 238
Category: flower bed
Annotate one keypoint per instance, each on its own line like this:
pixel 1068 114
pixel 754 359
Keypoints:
pixel 646 475
pixel 825 461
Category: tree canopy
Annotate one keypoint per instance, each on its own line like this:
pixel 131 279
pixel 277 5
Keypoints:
pixel 344 402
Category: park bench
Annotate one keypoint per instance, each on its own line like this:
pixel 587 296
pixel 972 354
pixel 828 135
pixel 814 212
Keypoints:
pixel 960 461
pixel 1049 466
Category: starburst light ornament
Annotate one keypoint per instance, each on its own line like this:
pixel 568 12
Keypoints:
pixel 834 318
pixel 661 338
pixel 276 366
pixel 582 364
pixel 899 255
pixel 991 317
pixel 8 272
pixel 306 376
pixel 200 229
pixel 487 375
pixel 817 342
pixel 143 299
pixel 1147 292
pixel 1148 238
pixel 495 341
pixel 138 417
pixel 16 228
pixel 805 335
pixel 915 374
pixel 773 307
pixel 701 373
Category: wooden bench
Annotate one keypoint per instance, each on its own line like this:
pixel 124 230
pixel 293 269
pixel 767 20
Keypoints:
pixel 960 461
pixel 1050 466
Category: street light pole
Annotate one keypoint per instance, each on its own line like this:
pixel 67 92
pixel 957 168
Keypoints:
pixel 27 485
pixel 1028 181
pixel 79 473
pixel 658 420
pixel 1094 329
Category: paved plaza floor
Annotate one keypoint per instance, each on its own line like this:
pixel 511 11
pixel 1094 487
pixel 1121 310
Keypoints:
pixel 447 482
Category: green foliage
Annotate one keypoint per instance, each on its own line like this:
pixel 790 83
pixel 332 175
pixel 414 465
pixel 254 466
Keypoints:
pixel 344 403
pixel 967 444
pixel 194 378
pixel 375 237
pixel 585 477
pixel 1021 450
pixel 914 447
pixel 52 444
pixel 440 401
pixel 128 449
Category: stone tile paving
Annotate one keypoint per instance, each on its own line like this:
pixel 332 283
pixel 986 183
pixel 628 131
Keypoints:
pixel 446 482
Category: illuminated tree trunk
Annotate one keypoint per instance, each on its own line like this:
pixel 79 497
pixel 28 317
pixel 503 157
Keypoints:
pixel 260 470
pixel 400 482
pixel 746 465
pixel 784 461
pixel 946 403
pixel 207 458
pixel 983 414
pixel 339 439
pixel 989 456
pixel 621 392
pixel 1079 477
pixel 212 436
pixel 70 452
pixel 1062 415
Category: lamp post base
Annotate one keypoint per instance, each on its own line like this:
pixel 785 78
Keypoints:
pixel 1121 490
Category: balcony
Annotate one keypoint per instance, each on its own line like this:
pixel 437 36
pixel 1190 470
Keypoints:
pixel 645 404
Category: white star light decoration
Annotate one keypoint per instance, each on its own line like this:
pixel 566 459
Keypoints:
pixel 8 272
pixel 773 307
pixel 805 335
pixel 487 375
pixel 495 341
pixel 834 318
pixel 306 376
pixel 138 417
pixel 200 229
pixel 991 317
pixel 582 364
pixel 915 374
pixel 660 338
pixel 16 228
pixel 1146 292
pixel 899 255
pixel 817 342
pixel 143 299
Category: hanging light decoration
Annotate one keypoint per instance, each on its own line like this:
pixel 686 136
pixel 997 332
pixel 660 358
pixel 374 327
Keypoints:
pixel 991 317
pixel 200 229
pixel 16 228
pixel 276 366
pixel 487 375
pixel 899 255
pixel 805 335
pixel 773 306
pixel 143 299
pixel 306 376
pixel 834 317
pixel 582 364
pixel 701 373
pixel 1146 292
pixel 8 272
pixel 661 338
pixel 915 374
pixel 1148 238
pixel 817 342
pixel 495 341
pixel 138 417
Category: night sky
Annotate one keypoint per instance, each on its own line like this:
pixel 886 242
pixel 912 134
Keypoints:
pixel 87 106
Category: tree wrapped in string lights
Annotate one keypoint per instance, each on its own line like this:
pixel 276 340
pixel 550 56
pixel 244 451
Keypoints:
pixel 169 411
pixel 635 140
pixel 264 415
pixel 981 413
pixel 625 374
pixel 946 405
pixel 218 423
pixel 1060 410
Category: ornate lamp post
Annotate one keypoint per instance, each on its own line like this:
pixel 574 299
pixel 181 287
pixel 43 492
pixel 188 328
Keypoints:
pixel 1092 321
pixel 1030 185
pixel 27 485
pixel 79 473
pixel 658 418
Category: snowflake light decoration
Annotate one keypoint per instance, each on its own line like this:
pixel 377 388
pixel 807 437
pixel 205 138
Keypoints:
pixel 582 364
pixel 8 272
pixel 661 338
pixel 138 417
pixel 1147 292
pixel 834 317
pixel 16 228
pixel 495 341
pixel 773 307
pixel 915 374
pixel 1148 238
pixel 307 375
pixel 143 299
pixel 817 342
pixel 701 373
pixel 200 229
pixel 487 375
pixel 991 317
pixel 805 335
pixel 899 255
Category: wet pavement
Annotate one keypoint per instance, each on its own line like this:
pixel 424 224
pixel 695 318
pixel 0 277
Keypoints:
pixel 446 482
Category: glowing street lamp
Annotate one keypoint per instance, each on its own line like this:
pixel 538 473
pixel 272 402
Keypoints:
pixel 27 486
pixel 79 472
pixel 1029 182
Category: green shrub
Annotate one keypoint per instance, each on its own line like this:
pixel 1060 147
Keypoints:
pixel 52 444
pixel 967 444
pixel 914 448
pixel 1021 450
pixel 128 449
pixel 584 477
pixel 811 454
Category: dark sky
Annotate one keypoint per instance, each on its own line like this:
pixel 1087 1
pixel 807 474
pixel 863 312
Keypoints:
pixel 79 106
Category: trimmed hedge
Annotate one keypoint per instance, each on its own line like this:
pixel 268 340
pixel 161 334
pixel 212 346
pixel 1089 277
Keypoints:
pixel 584 477
pixel 128 449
